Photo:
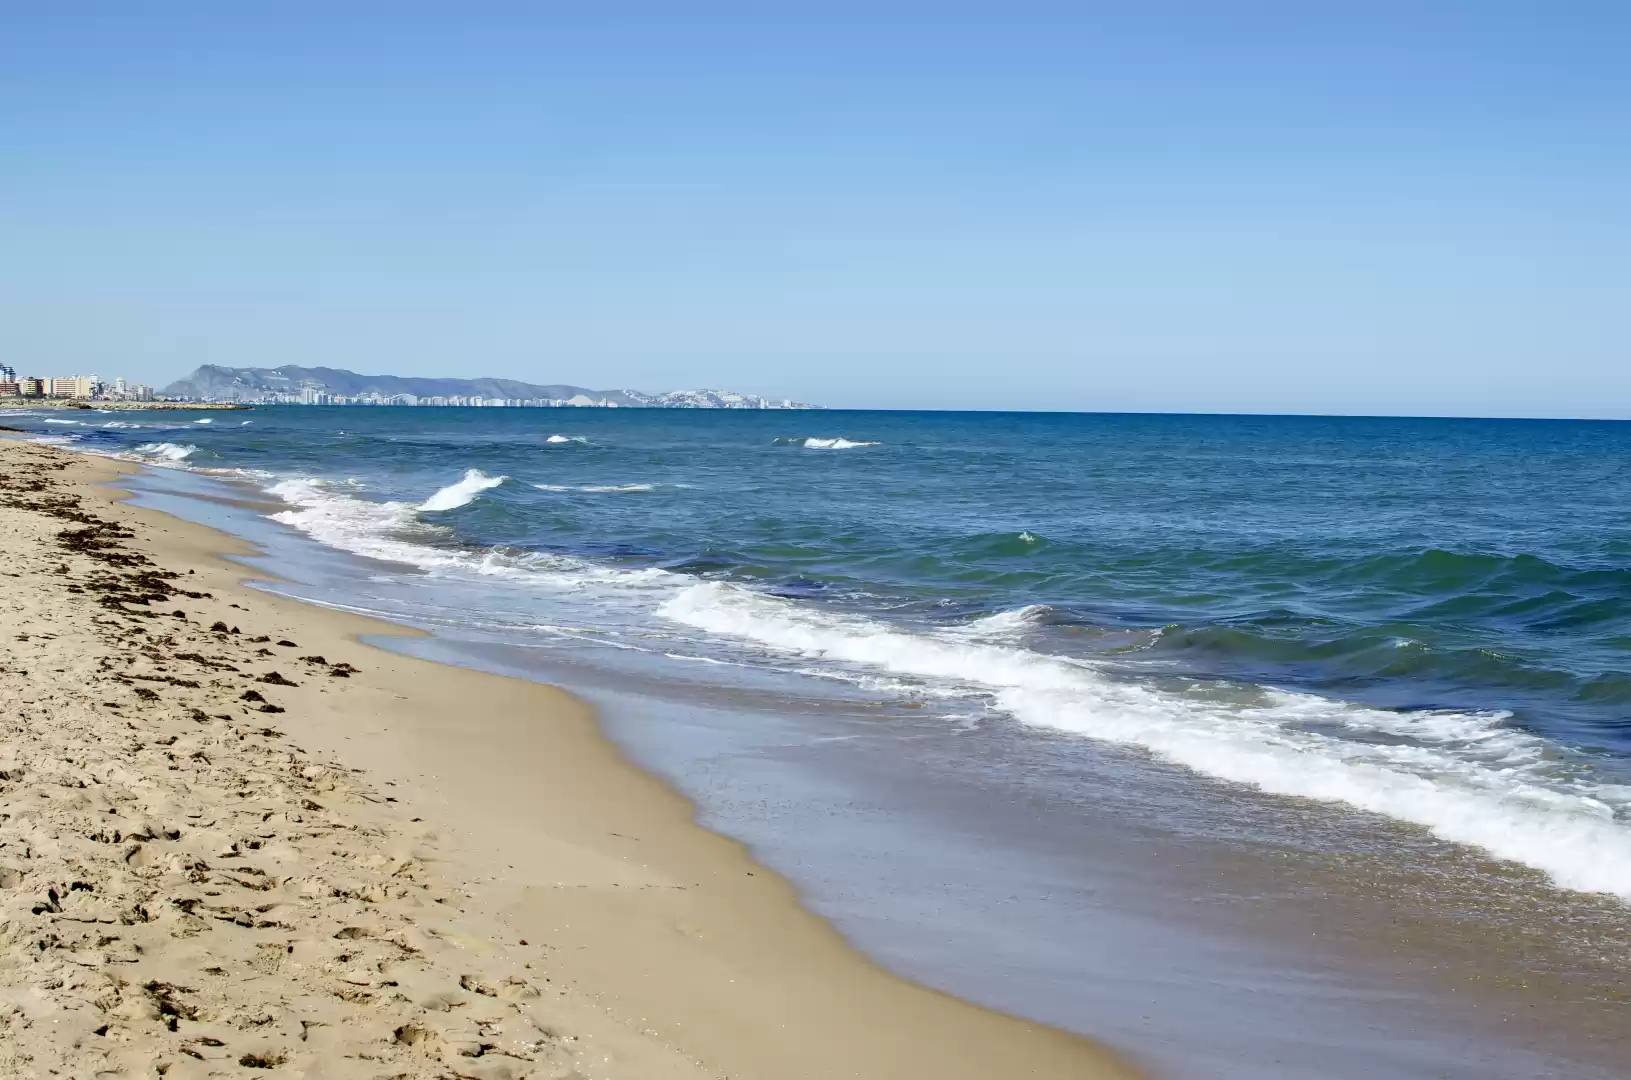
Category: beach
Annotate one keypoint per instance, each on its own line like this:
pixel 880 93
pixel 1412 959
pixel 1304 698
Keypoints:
pixel 234 837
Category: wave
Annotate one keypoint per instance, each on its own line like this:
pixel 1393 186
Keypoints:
pixel 597 489
pixel 1005 623
pixel 351 524
pixel 55 421
pixel 473 483
pixel 394 532
pixel 206 420
pixel 566 439
pixel 1469 778
pixel 166 451
pixel 813 443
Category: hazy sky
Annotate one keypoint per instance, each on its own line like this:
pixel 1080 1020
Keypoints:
pixel 1419 207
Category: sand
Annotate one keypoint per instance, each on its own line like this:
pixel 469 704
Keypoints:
pixel 233 838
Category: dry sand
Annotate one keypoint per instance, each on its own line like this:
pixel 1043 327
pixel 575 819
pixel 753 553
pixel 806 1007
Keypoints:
pixel 266 846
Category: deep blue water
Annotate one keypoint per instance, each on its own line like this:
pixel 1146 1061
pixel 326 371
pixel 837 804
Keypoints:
pixel 1429 619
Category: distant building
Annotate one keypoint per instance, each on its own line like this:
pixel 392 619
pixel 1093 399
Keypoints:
pixel 32 387
pixel 73 386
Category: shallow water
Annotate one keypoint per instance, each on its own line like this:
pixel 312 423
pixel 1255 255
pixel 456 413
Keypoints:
pixel 1341 698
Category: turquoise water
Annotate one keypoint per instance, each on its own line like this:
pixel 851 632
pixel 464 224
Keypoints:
pixel 1425 619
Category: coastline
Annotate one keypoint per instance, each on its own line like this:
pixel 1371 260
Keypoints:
pixel 663 949
pixel 124 406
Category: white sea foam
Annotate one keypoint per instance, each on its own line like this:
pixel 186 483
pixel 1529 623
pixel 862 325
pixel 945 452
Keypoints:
pixel 1469 778
pixel 597 489
pixel 834 444
pixel 120 424
pixel 55 421
pixel 356 525
pixel 394 532
pixel 473 483
pixel 166 451
pixel 1005 623
pixel 245 423
pixel 566 439
pixel 206 420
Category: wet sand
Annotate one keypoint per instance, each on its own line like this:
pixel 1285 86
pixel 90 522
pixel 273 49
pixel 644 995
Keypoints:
pixel 222 852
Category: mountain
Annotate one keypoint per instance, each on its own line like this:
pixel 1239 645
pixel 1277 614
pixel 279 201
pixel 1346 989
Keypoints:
pixel 335 385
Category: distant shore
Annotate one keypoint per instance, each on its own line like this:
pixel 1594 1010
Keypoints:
pixel 138 406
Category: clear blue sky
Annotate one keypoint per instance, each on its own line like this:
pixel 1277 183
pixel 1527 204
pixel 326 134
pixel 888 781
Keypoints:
pixel 1418 207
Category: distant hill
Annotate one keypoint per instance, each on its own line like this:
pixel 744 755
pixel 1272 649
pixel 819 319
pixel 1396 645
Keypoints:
pixel 287 383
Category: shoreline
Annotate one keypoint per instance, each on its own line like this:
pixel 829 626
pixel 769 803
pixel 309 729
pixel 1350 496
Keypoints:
pixel 123 406
pixel 664 947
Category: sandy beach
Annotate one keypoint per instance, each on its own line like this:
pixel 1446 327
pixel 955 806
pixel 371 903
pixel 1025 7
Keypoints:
pixel 234 838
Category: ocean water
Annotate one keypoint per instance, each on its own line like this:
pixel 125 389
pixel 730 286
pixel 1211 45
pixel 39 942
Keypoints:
pixel 1420 625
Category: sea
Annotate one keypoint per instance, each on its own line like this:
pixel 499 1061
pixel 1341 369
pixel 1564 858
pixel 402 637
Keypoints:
pixel 1258 747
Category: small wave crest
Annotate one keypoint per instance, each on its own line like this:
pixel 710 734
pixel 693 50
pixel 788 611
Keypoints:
pixel 455 495
pixel 1004 623
pixel 206 420
pixel 166 451
pixel 819 443
pixel 329 512
pixel 566 439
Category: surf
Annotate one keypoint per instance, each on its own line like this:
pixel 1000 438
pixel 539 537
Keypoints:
pixel 1466 778
pixel 462 493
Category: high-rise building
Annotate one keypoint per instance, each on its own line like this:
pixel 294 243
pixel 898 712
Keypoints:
pixel 72 386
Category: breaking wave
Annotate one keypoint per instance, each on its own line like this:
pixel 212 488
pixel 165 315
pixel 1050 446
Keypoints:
pixel 1005 623
pixel 1469 778
pixel 473 483
pixel 326 511
pixel 166 451
pixel 566 439
pixel 813 443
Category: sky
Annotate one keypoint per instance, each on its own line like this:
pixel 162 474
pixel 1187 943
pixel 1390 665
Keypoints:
pixel 1218 206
